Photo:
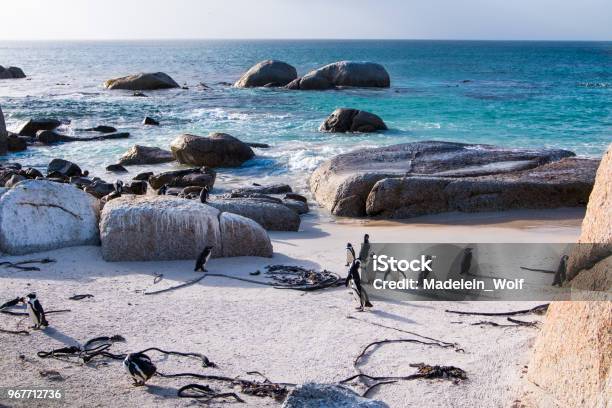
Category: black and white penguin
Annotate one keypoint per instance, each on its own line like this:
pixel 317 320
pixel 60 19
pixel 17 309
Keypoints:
pixel 354 280
pixel 561 273
pixel 35 310
pixel 118 186
pixel 203 259
pixel 140 367
pixel 350 254
pixel 162 190
pixel 204 195
pixel 466 262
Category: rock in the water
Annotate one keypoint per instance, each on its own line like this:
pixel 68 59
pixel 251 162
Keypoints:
pixel 145 155
pixel 150 121
pixel 32 126
pixel 298 206
pixel 242 236
pixel 143 81
pixel 3 135
pixel 143 176
pixel 13 180
pixel 312 395
pixel 64 167
pixel 50 137
pixel 267 72
pixel 147 228
pixel 215 150
pixel 344 73
pixel 99 188
pixel 101 129
pixel 412 179
pixel 272 216
pixel 39 215
pixel 184 178
pixel 116 168
pixel 15 143
pixel 352 120
pixel 11 73
pixel 269 189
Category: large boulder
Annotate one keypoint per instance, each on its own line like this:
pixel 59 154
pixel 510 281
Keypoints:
pixel 241 236
pixel 145 155
pixel 270 215
pixel 39 215
pixel 11 73
pixel 142 81
pixel 259 189
pixel 352 120
pixel 344 73
pixel 152 228
pixel 267 73
pixel 215 150
pixel 16 143
pixel 184 178
pixel 595 242
pixel 32 126
pixel 3 134
pixel 571 361
pixel 64 167
pixel 421 178
pixel 312 395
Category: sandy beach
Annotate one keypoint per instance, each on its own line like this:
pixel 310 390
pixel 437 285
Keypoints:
pixel 289 336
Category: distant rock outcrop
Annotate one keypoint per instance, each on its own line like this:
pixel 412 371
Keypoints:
pixel 413 179
pixel 215 150
pixel 11 73
pixel 39 215
pixel 267 73
pixel 344 73
pixel 142 82
pixel 352 120
pixel 145 155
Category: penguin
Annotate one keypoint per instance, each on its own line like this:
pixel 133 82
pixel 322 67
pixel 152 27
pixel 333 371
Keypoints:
pixel 354 280
pixel 203 259
pixel 140 367
pixel 204 195
pixel 350 254
pixel 466 262
pixel 35 310
pixel 162 190
pixel 560 275
pixel 118 186
pixel 424 273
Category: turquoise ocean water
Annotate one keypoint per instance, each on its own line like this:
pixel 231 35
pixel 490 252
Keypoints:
pixel 516 94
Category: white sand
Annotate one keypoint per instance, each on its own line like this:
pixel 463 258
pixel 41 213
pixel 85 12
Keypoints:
pixel 290 336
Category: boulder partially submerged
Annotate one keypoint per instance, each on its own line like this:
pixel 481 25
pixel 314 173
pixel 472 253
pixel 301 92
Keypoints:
pixel 32 126
pixel 215 150
pixel 39 215
pixel 202 176
pixel 11 73
pixel 413 179
pixel 142 82
pixel 267 73
pixel 147 228
pixel 344 74
pixel 352 120
pixel 145 155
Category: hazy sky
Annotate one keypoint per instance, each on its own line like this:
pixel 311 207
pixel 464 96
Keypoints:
pixel 435 19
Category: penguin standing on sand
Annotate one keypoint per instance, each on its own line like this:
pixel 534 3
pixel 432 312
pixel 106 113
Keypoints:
pixel 364 257
pixel 140 367
pixel 466 262
pixel 354 280
pixel 560 275
pixel 350 254
pixel 203 259
pixel 204 195
pixel 35 310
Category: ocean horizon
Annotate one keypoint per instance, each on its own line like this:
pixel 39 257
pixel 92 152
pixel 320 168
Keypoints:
pixel 523 94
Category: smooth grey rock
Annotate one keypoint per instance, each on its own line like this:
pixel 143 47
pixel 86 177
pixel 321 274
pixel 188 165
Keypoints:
pixel 241 236
pixel 32 126
pixel 48 137
pixel 116 168
pixel 430 177
pixel 184 178
pixel 298 206
pixel 352 120
pixel 145 155
pixel 39 215
pixel 313 395
pixel 101 129
pixel 150 121
pixel 64 167
pixel 142 81
pixel 99 188
pixel 272 216
pixel 269 72
pixel 215 150
pixel 269 189
pixel 343 73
